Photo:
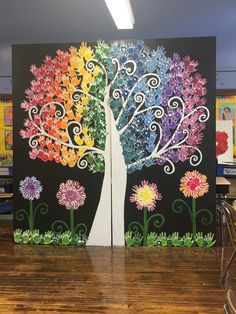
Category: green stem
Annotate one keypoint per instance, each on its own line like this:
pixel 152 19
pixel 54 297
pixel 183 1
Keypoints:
pixel 31 216
pixel 194 216
pixel 145 226
pixel 72 223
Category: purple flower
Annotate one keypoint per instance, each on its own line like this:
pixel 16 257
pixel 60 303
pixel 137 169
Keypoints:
pixel 30 188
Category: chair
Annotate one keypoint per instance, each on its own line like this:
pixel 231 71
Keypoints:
pixel 230 217
pixel 230 307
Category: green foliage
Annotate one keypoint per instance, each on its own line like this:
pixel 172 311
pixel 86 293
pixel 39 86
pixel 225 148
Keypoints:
pixel 36 237
pixel 66 238
pixel 49 237
pixel 26 236
pixel 175 239
pixel 162 239
pixel 152 239
pixel 209 239
pixel 188 239
pixel 17 234
pixel 205 241
pixel 199 238
pixel 96 163
pixel 133 238
pixel 80 240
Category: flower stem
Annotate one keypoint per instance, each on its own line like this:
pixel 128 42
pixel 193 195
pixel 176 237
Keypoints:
pixel 31 216
pixel 145 226
pixel 72 223
pixel 194 216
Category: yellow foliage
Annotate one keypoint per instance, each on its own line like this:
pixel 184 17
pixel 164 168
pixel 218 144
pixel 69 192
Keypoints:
pixel 88 141
pixel 96 70
pixel 78 140
pixel 84 130
pixel 84 100
pixel 85 52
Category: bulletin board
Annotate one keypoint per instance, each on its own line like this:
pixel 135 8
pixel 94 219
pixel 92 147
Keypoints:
pixel 226 110
pixel 6 131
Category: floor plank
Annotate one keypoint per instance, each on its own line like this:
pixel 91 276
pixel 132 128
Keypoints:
pixel 56 279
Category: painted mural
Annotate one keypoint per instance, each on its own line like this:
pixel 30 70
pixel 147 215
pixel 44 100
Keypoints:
pixel 136 108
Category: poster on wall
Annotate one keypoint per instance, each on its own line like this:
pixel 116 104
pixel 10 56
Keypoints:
pixel 225 111
pixel 139 112
pixel 224 141
pixel 6 133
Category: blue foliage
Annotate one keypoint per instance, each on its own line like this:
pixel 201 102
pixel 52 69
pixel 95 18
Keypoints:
pixel 130 70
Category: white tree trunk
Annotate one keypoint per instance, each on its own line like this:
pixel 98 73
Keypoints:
pixel 108 225
pixel 119 179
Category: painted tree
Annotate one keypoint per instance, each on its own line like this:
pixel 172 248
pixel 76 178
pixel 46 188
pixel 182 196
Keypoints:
pixel 157 102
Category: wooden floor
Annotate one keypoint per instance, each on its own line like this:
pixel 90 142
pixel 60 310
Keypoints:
pixel 54 279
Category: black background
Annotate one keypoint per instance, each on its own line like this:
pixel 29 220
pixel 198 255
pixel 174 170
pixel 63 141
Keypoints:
pixel 51 174
pixel 203 51
pixel 48 173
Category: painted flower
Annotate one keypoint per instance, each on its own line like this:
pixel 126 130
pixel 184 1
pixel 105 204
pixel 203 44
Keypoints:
pixel 71 194
pixel 194 184
pixel 30 188
pixel 221 143
pixel 145 195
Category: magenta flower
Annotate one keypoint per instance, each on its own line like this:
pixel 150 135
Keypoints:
pixel 30 188
pixel 71 194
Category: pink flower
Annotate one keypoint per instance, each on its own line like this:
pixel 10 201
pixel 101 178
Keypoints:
pixel 71 194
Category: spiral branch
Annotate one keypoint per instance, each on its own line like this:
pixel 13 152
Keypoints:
pixel 135 227
pixel 21 214
pixel 60 111
pixel 203 117
pixel 78 92
pixel 82 229
pixel 117 63
pixel 170 168
pixel 195 159
pixel 205 220
pixel 59 226
pixel 90 65
pixel 33 140
pixel 175 102
pixel 139 98
pixel 179 205
pixel 130 66
pixel 117 94
pixel 153 81
pixel 33 110
pixel 43 209
pixel 158 222
pixel 153 127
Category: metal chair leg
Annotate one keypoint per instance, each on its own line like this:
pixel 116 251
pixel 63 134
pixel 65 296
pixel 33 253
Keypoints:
pixel 228 265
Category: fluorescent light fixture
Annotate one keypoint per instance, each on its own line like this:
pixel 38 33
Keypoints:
pixel 121 12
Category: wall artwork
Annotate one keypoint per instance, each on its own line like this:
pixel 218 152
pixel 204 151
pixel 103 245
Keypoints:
pixel 225 111
pixel 113 143
pixel 224 141
pixel 6 133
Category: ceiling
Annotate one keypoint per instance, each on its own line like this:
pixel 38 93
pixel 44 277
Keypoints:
pixel 43 21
